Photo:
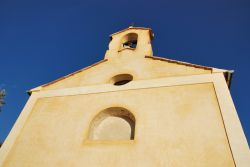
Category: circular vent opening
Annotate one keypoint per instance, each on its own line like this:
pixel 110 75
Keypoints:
pixel 121 79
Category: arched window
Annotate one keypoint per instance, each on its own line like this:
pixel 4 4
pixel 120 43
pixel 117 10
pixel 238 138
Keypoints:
pixel 113 123
pixel 130 41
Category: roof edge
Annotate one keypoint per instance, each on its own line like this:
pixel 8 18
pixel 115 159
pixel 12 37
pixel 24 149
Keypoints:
pixel 64 77
pixel 179 62
pixel 228 74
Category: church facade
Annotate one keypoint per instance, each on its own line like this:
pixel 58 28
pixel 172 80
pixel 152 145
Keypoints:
pixel 130 109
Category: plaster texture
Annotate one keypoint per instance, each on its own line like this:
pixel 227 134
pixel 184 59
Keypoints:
pixel 180 114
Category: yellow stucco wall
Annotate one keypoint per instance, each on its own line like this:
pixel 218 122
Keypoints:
pixel 140 67
pixel 175 126
pixel 184 115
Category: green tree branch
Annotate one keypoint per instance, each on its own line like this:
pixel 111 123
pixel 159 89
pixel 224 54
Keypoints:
pixel 2 95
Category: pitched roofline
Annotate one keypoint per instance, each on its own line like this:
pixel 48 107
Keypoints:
pixel 228 74
pixel 179 62
pixel 66 76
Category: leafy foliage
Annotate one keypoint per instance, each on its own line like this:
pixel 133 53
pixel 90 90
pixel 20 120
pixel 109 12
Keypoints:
pixel 2 95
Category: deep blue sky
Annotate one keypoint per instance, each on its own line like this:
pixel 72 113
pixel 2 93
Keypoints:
pixel 42 40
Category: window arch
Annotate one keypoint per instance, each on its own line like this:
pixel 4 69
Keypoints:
pixel 129 41
pixel 115 123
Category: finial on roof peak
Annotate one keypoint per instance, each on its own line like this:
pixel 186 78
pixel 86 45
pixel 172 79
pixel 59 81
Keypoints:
pixel 131 25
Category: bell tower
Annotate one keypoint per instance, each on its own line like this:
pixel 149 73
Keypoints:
pixel 130 109
pixel 134 41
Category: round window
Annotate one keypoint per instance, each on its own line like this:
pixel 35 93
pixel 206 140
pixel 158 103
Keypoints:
pixel 121 79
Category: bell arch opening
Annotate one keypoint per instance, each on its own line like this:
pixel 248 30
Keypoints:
pixel 115 123
pixel 129 41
